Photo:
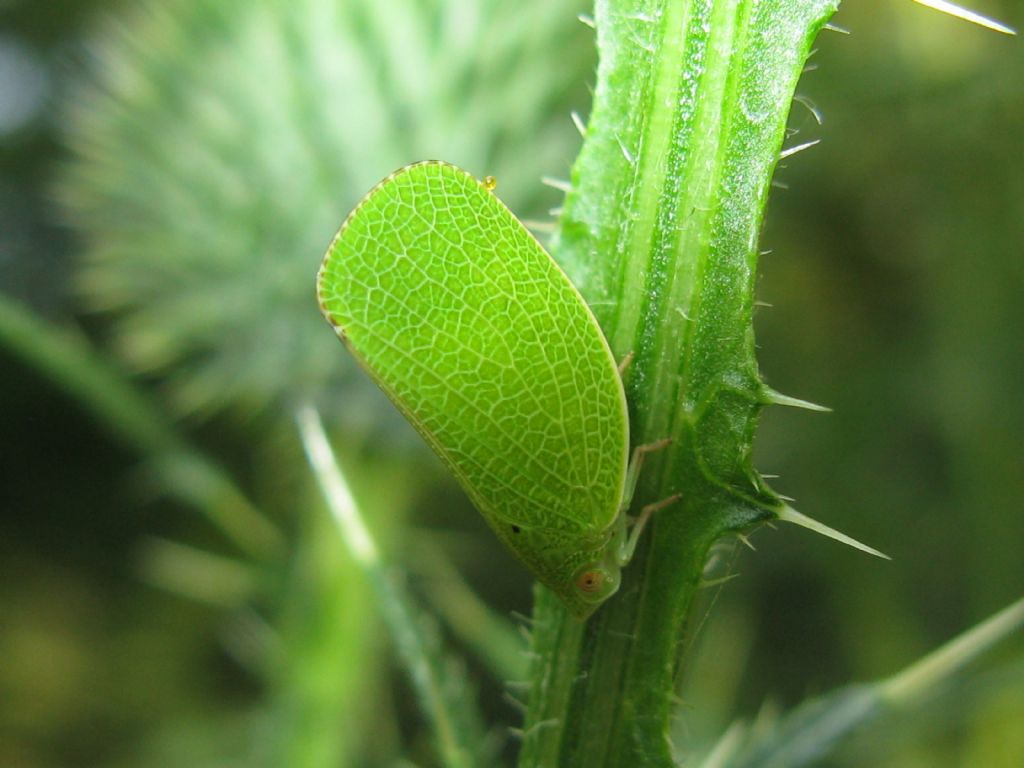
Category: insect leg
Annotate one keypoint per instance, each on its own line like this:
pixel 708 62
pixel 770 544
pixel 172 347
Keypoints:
pixel 636 461
pixel 625 363
pixel 625 553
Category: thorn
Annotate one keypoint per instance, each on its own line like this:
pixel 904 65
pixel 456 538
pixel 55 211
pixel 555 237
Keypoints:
pixel 556 212
pixel 521 619
pixel 515 703
pixel 705 583
pixel 545 227
pixel 798 148
pixel 625 152
pixel 962 13
pixel 559 184
pixel 551 722
pixel 789 515
pixel 587 20
pixel 578 122
pixel 519 685
pixel 836 28
pixel 770 397
pixel 746 542
pixel 641 17
pixel 810 106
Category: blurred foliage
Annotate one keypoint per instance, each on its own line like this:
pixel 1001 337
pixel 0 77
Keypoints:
pixel 213 149
pixel 225 140
pixel 894 284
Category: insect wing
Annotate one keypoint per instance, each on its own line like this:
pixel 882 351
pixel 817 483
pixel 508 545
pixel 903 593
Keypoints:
pixel 486 347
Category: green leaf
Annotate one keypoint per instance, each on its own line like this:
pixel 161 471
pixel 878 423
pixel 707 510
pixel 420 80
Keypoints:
pixel 438 679
pixel 811 731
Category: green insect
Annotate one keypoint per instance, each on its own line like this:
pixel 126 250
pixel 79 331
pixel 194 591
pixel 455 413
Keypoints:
pixel 484 344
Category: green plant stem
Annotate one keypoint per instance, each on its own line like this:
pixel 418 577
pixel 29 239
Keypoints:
pixel 660 231
pixel 441 688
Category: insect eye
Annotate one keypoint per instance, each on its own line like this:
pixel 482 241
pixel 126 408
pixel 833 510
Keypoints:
pixel 516 529
pixel 590 581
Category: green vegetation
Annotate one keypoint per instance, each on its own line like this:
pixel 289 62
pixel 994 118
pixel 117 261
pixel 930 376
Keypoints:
pixel 164 355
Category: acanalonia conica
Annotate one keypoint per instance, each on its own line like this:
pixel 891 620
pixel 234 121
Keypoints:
pixel 483 343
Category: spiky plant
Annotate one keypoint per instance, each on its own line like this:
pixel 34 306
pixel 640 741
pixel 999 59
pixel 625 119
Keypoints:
pixel 223 141
pixel 215 147
pixel 219 149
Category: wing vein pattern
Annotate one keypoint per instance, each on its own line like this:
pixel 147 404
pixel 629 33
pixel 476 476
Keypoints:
pixel 477 336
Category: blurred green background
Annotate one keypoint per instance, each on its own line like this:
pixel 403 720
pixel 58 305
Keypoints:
pixel 170 174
